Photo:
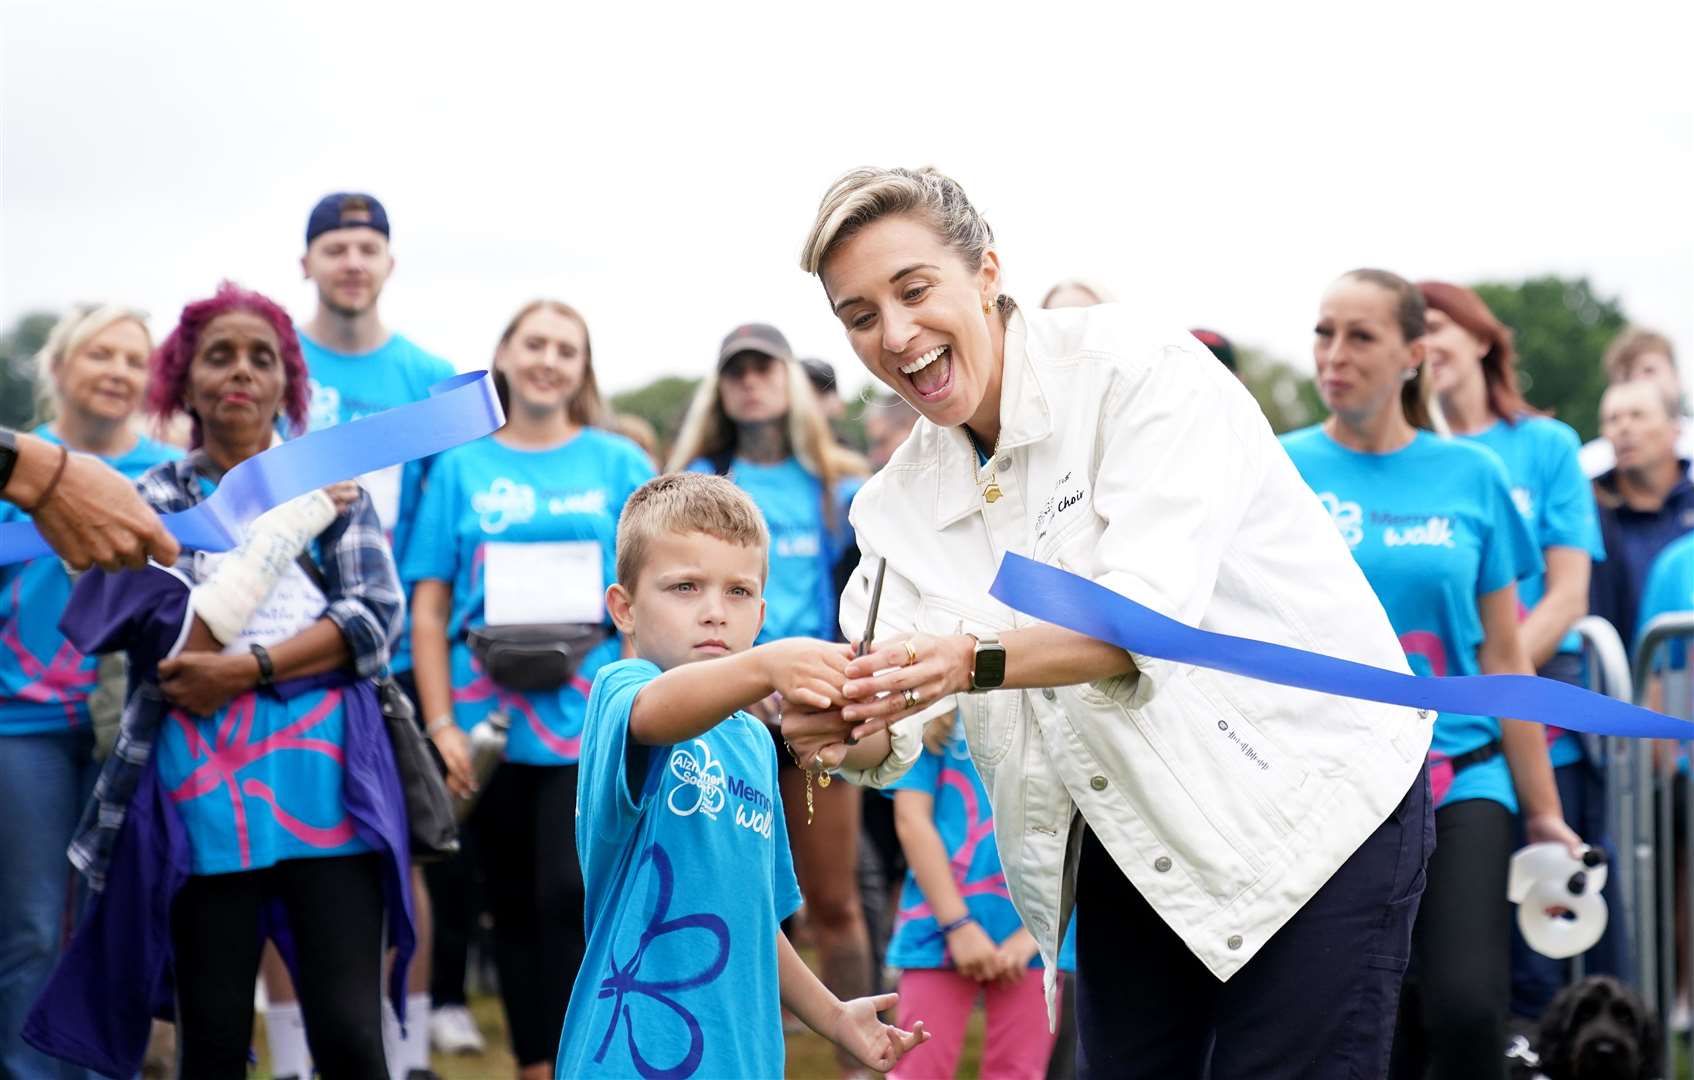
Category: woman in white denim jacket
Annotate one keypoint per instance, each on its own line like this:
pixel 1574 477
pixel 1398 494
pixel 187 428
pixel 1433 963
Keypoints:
pixel 1249 856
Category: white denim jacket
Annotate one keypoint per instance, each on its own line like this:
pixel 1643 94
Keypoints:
pixel 1132 457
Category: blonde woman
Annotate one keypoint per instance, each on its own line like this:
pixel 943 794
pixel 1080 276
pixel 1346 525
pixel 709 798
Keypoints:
pixel 1238 915
pixel 757 420
pixel 92 373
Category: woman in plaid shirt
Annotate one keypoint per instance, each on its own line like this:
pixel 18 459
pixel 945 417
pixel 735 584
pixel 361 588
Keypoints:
pixel 252 792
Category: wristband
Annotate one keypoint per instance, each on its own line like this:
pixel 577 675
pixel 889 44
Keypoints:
pixel 440 723
pixel 266 671
pixel 956 924
pixel 53 484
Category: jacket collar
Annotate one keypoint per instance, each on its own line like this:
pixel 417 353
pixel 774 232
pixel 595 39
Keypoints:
pixel 1025 418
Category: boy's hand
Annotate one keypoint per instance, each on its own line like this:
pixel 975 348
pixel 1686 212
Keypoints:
pixel 806 672
pixel 860 1031
pixel 974 953
pixel 1015 954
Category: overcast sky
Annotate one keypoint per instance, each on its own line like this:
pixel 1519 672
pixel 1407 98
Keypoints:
pixel 658 166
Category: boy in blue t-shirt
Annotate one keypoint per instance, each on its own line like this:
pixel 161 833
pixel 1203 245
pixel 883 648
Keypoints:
pixel 685 859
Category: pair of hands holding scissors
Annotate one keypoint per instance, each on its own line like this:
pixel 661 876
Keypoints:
pixel 833 703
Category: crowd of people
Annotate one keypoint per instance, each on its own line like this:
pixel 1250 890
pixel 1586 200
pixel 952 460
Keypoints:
pixel 204 733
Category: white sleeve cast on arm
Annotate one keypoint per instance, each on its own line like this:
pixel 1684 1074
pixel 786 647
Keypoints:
pixel 227 599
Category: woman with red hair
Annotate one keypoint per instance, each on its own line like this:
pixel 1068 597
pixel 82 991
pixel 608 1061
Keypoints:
pixel 252 792
pixel 1473 376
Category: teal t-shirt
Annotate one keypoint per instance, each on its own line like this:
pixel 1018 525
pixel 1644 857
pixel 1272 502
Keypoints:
pixel 485 499
pixel 44 680
pixel 1433 527
pixel 350 386
pixel 964 818
pixel 1557 503
pixel 800 599
pixel 1670 587
pixel 687 877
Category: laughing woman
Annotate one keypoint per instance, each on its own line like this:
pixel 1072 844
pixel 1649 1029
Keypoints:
pixel 1237 917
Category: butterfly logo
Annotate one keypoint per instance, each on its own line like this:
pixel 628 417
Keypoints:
pixel 634 998
pixel 701 780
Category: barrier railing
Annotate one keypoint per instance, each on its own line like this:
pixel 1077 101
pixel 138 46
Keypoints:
pixel 1644 798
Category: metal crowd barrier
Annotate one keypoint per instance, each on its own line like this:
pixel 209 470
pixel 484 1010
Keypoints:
pixel 1640 810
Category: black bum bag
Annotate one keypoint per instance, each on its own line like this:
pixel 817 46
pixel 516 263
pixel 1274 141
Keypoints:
pixel 534 656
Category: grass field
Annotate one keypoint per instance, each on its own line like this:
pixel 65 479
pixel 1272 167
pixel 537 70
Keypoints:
pixel 809 1055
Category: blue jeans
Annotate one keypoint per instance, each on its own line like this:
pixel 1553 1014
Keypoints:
pixel 44 782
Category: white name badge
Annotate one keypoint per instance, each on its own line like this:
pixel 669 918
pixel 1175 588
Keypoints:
pixel 561 582
pixel 294 604
pixel 383 486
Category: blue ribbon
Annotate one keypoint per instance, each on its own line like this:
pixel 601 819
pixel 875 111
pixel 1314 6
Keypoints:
pixel 1076 603
pixel 457 410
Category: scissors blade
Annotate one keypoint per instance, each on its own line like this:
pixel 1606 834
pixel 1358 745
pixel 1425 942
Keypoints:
pixel 876 602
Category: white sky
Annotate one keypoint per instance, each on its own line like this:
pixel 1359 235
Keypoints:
pixel 658 166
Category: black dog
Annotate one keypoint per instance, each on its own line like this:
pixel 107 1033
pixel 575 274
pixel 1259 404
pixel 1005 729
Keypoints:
pixel 1599 1029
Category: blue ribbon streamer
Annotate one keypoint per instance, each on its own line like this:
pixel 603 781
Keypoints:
pixel 1076 603
pixel 457 411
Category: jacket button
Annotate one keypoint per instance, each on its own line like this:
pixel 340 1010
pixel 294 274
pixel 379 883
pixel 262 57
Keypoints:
pixel 1234 941
pixel 1098 783
pixel 1423 714
pixel 1003 464
pixel 1047 692
pixel 1162 863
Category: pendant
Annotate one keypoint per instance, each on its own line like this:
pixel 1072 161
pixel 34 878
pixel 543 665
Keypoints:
pixel 991 494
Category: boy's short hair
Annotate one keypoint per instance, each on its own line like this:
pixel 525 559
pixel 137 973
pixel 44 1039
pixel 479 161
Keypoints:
pixel 1628 347
pixel 686 502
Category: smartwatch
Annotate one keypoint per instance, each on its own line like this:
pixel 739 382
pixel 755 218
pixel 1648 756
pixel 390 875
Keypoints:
pixel 8 455
pixel 988 670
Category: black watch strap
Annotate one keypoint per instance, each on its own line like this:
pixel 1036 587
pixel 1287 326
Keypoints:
pixel 266 671
pixel 8 455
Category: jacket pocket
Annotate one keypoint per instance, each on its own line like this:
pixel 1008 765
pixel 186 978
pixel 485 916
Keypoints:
pixel 1267 774
pixel 991 719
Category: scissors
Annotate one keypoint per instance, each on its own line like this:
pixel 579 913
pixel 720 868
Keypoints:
pixel 864 645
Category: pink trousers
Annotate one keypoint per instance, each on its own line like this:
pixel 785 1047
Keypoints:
pixel 1016 1043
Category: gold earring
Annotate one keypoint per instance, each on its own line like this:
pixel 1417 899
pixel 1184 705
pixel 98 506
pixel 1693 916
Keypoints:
pixel 987 306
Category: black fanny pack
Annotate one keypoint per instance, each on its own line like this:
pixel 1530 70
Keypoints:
pixel 531 657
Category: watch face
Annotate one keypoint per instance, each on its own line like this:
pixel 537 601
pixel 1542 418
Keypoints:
pixel 990 667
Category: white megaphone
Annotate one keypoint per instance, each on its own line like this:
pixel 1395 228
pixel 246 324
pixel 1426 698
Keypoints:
pixel 1560 910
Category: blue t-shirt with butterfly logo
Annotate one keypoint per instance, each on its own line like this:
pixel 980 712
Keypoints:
pixel 1434 528
pixel 687 875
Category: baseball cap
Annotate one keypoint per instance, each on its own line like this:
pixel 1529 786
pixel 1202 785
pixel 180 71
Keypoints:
pixel 820 373
pixel 346 210
pixel 1220 346
pixel 762 338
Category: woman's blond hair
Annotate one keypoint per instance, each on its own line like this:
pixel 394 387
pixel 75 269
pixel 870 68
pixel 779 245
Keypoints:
pixel 585 407
pixel 707 432
pixel 70 333
pixel 868 194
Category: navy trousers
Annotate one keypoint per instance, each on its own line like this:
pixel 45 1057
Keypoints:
pixel 1318 1001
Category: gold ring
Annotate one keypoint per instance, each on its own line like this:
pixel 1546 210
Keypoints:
pixel 911 654
pixel 912 698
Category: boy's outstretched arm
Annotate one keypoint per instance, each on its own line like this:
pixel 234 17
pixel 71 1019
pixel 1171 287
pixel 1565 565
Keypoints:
pixel 693 698
pixel 852 1025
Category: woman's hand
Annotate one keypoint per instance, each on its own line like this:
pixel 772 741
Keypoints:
pixel 204 682
pixel 1015 954
pixel 1551 828
pixel 860 1031
pixel 806 672
pixel 916 670
pixel 343 495
pixel 974 953
pixel 816 738
pixel 454 746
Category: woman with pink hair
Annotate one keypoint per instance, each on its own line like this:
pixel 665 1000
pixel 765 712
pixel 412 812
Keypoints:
pixel 252 792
